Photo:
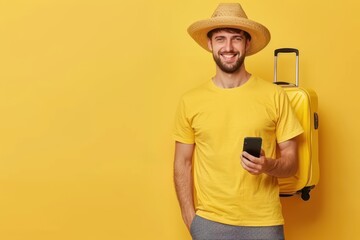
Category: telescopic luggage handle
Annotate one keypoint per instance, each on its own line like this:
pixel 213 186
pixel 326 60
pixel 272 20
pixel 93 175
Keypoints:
pixel 286 50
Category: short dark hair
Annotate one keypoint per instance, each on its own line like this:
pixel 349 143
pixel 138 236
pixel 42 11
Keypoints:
pixel 230 30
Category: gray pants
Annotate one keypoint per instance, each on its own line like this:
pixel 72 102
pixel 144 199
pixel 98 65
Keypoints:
pixel 203 229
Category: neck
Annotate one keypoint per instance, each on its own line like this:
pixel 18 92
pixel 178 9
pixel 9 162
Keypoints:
pixel 231 80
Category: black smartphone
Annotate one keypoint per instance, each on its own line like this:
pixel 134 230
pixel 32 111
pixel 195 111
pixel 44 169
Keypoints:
pixel 252 145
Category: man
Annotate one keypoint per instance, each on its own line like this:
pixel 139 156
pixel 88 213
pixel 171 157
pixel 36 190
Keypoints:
pixel 223 192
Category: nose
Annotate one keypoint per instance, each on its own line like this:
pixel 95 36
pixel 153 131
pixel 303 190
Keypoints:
pixel 228 45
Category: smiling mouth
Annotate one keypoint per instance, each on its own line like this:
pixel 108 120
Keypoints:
pixel 229 56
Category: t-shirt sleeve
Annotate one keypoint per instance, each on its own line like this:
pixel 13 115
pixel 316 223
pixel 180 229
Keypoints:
pixel 288 126
pixel 183 132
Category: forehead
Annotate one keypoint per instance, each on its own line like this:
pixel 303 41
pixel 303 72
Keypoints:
pixel 220 32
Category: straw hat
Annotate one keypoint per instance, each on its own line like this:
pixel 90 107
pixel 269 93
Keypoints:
pixel 230 15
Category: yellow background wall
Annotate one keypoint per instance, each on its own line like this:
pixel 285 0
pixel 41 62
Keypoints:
pixel 88 91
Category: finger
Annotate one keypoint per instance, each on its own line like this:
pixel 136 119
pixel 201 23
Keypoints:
pixel 248 168
pixel 247 156
pixel 249 165
pixel 262 152
pixel 252 164
pixel 246 162
pixel 250 157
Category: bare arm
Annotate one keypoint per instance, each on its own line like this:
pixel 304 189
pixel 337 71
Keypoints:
pixel 285 166
pixel 184 180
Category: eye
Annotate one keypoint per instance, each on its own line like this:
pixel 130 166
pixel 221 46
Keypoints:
pixel 219 39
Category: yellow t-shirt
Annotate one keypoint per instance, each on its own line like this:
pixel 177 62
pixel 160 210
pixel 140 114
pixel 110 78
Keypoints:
pixel 216 120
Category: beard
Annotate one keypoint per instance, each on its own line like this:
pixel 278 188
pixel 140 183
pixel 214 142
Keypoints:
pixel 229 67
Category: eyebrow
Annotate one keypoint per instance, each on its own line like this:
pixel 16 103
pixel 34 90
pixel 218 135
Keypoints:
pixel 234 36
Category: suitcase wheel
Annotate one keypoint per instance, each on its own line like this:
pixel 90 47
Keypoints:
pixel 305 193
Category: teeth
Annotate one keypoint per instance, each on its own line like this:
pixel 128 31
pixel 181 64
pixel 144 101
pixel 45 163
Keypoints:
pixel 228 55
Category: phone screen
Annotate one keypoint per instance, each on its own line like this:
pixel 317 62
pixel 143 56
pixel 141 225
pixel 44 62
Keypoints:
pixel 252 145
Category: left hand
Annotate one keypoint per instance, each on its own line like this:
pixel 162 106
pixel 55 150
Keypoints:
pixel 256 166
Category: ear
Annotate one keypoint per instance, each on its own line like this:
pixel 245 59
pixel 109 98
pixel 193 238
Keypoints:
pixel 209 44
pixel 248 43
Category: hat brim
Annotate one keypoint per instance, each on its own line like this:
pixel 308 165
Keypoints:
pixel 260 35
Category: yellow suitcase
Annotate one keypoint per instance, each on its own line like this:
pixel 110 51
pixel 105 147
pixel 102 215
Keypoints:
pixel 305 103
